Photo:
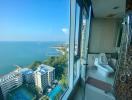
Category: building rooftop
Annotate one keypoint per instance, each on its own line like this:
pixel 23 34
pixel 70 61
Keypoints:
pixel 41 70
pixel 44 69
pixel 29 72
pixel 26 71
pixel 49 68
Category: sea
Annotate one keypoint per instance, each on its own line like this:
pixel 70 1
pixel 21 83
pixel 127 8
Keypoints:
pixel 24 54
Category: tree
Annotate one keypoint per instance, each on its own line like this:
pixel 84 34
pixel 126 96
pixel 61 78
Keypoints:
pixel 34 98
pixel 35 64
pixel 59 63
pixel 64 81
pixel 44 97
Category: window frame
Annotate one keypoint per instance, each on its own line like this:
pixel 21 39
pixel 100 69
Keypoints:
pixel 71 50
pixel 77 33
pixel 71 61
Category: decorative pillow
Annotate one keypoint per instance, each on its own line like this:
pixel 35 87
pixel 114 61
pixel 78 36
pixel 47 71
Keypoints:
pixel 103 59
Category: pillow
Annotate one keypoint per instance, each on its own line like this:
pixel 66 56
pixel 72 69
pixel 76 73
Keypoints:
pixel 103 59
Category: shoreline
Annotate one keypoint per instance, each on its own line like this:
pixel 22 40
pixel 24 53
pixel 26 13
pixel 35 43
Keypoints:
pixel 59 48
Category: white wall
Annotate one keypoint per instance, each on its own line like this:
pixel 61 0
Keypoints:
pixel 103 35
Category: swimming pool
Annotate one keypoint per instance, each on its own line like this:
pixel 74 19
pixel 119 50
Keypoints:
pixel 54 92
pixel 21 93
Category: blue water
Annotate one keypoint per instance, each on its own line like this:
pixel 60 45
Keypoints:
pixel 54 92
pixel 24 53
pixel 21 93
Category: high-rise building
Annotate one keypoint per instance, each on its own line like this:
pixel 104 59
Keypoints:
pixel 10 82
pixel 1 95
pixel 28 75
pixel 44 76
pixel 51 73
pixel 41 78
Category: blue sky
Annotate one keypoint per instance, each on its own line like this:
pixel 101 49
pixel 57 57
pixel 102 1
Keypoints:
pixel 34 20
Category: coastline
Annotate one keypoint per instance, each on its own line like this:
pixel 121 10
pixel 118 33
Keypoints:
pixel 62 49
pixel 24 53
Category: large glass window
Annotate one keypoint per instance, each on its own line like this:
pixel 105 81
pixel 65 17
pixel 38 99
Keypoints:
pixel 76 57
pixel 34 48
pixel 77 28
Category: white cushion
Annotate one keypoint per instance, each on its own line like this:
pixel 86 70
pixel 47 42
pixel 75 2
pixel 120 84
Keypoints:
pixel 103 59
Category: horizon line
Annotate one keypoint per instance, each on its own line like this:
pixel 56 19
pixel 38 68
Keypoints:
pixel 30 41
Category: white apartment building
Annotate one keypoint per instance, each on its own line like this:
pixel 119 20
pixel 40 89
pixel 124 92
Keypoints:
pixel 10 82
pixel 41 80
pixel 51 73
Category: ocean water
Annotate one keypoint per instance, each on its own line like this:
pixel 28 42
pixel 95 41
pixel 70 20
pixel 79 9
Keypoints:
pixel 24 54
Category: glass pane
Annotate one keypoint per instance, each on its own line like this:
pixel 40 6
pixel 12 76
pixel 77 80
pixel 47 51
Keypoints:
pixel 76 39
pixel 77 27
pixel 34 41
pixel 83 43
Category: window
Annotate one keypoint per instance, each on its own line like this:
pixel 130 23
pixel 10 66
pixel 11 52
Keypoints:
pixel 76 46
pixel 77 33
pixel 77 28
pixel 34 43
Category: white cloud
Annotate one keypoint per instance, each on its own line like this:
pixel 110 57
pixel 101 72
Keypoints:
pixel 65 30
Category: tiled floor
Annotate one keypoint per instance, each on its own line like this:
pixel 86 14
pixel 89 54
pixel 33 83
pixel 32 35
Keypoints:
pixel 93 93
pixel 93 72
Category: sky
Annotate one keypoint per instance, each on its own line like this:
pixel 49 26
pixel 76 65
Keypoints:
pixel 34 20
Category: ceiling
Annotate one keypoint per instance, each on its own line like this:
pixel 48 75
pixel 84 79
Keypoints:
pixel 109 8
